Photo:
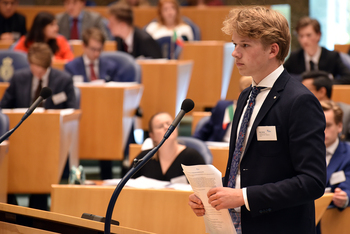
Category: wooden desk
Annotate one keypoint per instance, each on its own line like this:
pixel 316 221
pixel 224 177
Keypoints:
pixel 106 121
pixel 5 44
pixel 212 71
pixel 341 93
pixel 335 221
pixel 3 170
pixel 165 86
pixel 220 156
pixel 39 149
pixel 158 211
pixel 17 219
pixel 342 48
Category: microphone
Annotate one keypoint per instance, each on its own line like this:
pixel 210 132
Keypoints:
pixel 187 106
pixel 44 93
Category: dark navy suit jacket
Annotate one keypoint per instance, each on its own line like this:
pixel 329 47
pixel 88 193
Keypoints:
pixel 282 177
pixel 212 130
pixel 107 69
pixel 18 94
pixel 330 62
pixel 340 161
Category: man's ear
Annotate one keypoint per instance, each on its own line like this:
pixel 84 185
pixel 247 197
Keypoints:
pixel 323 92
pixel 274 49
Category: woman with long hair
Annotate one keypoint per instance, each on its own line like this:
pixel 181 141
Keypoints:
pixel 45 29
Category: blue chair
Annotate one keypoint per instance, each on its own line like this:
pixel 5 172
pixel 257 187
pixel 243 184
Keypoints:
pixel 128 69
pixel 198 145
pixel 10 61
pixel 195 28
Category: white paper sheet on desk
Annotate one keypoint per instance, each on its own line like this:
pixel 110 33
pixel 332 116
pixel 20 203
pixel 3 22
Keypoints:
pixel 202 178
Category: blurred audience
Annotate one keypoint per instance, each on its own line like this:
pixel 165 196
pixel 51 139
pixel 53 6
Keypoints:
pixel 12 24
pixel 91 66
pixel 311 56
pixel 130 38
pixel 134 3
pixel 75 20
pixel 169 22
pixel 218 127
pixel 321 85
pixel 25 87
pixel 45 29
pixel 166 163
pixel 202 3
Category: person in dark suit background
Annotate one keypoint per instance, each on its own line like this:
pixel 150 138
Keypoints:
pixel 12 24
pixel 337 158
pixel 276 167
pixel 321 85
pixel 313 57
pixel 27 83
pixel 25 87
pixel 91 65
pixel 75 20
pixel 130 38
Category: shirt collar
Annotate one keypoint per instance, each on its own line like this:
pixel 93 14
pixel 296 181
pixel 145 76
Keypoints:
pixel 87 61
pixel 332 148
pixel 45 77
pixel 80 17
pixel 314 58
pixel 269 80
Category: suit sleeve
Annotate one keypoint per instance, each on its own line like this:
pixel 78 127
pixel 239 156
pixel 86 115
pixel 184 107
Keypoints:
pixel 69 90
pixel 306 156
pixel 152 48
pixel 9 98
pixel 343 73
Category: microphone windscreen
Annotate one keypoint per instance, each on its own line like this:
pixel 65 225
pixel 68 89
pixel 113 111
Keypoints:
pixel 187 105
pixel 45 92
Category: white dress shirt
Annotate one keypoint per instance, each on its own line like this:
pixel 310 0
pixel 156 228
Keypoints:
pixel 35 82
pixel 314 59
pixel 267 82
pixel 129 41
pixel 87 63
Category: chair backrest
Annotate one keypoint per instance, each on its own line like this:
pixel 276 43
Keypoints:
pixel 195 29
pixel 198 145
pixel 10 61
pixel 345 58
pixel 201 123
pixel 4 123
pixel 77 97
pixel 127 68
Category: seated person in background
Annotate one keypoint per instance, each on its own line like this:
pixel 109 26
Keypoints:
pixel 202 3
pixel 169 21
pixel 218 128
pixel 133 3
pixel 319 83
pixel 166 163
pixel 75 20
pixel 130 38
pixel 45 29
pixel 91 66
pixel 25 87
pixel 338 154
pixel 12 24
pixel 314 57
pixel 26 83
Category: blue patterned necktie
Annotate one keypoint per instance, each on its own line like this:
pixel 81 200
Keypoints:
pixel 240 140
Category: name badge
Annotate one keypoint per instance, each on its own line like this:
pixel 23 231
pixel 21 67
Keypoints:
pixel 337 177
pixel 59 98
pixel 266 133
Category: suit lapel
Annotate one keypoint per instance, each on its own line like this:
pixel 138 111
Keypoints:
pixel 336 160
pixel 270 100
pixel 85 22
pixel 82 69
pixel 322 62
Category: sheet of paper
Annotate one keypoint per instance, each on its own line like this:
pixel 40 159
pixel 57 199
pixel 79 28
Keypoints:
pixel 202 178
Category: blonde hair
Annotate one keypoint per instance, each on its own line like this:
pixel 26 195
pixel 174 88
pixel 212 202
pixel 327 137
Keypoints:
pixel 40 54
pixel 338 112
pixel 260 23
